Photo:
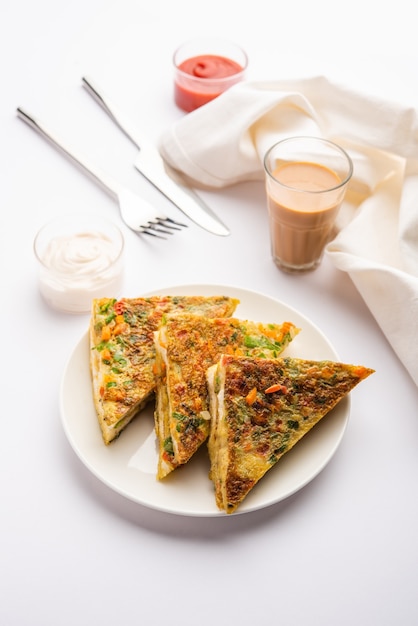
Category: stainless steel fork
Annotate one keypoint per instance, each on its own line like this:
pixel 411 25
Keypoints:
pixel 138 214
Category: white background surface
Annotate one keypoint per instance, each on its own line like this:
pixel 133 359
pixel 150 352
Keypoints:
pixel 342 551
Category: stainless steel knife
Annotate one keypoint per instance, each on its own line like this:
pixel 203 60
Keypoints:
pixel 151 165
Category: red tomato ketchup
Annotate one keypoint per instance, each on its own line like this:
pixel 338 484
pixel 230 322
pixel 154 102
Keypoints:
pixel 210 66
pixel 202 77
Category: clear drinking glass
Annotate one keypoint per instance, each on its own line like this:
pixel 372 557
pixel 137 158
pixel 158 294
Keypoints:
pixel 80 258
pixel 306 181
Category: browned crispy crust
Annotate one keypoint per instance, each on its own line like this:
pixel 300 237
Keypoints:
pixel 192 344
pixel 268 405
pixel 122 352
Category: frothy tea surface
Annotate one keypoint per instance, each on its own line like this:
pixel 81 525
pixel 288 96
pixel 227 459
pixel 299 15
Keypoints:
pixel 303 176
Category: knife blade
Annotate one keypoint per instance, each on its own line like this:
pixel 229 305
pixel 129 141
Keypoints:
pixel 151 165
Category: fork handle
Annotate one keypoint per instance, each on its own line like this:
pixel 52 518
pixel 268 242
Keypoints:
pixel 100 177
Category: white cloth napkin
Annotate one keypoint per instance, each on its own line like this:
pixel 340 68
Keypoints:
pixel 223 143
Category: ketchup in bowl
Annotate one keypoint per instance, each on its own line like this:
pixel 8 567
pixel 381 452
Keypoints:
pixel 202 76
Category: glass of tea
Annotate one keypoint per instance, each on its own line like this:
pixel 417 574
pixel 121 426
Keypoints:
pixel 306 181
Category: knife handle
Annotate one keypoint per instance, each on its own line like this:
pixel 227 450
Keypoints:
pixel 111 109
pixel 156 172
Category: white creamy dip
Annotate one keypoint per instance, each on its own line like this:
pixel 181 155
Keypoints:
pixel 76 268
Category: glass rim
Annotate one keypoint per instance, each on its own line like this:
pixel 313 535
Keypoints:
pixel 101 220
pixel 343 153
pixel 209 81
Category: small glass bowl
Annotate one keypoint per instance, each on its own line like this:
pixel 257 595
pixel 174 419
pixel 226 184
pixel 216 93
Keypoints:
pixel 205 68
pixel 80 258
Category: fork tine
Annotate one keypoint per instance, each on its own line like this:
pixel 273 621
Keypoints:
pixel 156 228
pixel 130 205
pixel 162 222
pixel 169 219
pixel 145 231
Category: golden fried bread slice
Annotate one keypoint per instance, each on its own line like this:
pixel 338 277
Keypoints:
pixel 260 408
pixel 186 346
pixel 122 352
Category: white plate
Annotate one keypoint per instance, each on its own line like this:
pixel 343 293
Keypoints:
pixel 128 465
